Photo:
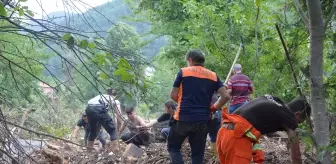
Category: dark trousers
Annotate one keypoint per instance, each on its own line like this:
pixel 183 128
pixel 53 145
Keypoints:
pixel 98 115
pixel 196 133
pixel 101 138
pixel 213 129
pixel 139 139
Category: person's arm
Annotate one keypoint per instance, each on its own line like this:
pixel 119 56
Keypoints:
pixel 229 87
pixel 224 96
pixel 141 122
pixel 176 87
pixel 75 132
pixel 151 123
pixel 295 146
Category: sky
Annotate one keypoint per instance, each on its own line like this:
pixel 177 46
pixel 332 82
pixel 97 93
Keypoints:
pixel 50 6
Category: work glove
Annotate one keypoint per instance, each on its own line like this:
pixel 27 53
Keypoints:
pixel 258 154
pixel 213 108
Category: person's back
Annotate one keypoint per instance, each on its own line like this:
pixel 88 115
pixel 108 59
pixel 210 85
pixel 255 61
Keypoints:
pixel 245 126
pixel 274 113
pixel 197 87
pixel 240 86
pixel 192 90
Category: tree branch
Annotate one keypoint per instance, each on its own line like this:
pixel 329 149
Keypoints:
pixel 39 133
pixel 332 12
pixel 301 12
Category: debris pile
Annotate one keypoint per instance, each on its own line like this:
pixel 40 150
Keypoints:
pixel 60 153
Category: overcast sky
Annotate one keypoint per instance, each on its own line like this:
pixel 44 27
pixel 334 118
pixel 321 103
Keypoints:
pixel 58 5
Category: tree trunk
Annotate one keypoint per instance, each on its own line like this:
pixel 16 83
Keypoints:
pixel 318 104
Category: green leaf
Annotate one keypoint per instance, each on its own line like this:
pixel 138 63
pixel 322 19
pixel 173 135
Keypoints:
pixel 123 73
pixel 23 0
pixel 103 75
pixel 2 10
pixel 84 44
pixel 66 36
pixel 21 12
pixel 123 63
pixel 92 45
pixel 71 42
pixel 25 7
pixel 30 13
pixel 99 59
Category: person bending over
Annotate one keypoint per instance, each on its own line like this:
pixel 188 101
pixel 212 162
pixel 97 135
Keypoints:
pixel 237 139
pixel 97 114
pixel 138 133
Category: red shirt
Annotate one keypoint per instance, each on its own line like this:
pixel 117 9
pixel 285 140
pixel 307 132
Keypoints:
pixel 241 87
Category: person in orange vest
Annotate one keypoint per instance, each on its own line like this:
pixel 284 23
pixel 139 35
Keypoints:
pixel 192 90
pixel 237 139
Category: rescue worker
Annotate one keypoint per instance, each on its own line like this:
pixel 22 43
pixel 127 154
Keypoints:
pixel 83 122
pixel 170 107
pixel 240 87
pixel 138 133
pixel 192 90
pixel 97 114
pixel 237 139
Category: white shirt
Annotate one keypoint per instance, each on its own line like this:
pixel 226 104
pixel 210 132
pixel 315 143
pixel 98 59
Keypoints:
pixel 104 99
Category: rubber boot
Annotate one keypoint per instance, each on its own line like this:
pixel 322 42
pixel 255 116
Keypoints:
pixel 90 146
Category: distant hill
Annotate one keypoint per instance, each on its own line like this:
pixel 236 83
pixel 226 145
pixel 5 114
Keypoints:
pixel 100 19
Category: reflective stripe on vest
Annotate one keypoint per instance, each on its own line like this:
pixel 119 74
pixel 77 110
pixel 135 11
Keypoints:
pixel 256 147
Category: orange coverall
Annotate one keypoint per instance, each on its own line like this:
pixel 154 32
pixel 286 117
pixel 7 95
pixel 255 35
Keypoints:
pixel 237 141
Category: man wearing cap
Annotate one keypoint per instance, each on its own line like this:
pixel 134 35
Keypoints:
pixel 97 114
pixel 83 122
pixel 240 87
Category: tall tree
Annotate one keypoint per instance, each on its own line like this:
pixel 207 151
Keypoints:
pixel 316 29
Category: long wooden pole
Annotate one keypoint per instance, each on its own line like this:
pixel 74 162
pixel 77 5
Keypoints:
pixel 289 61
pixel 234 61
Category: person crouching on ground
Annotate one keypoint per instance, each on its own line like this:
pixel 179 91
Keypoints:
pixel 138 133
pixel 170 107
pixel 237 139
pixel 83 122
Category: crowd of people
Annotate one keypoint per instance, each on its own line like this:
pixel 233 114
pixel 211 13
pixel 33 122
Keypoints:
pixel 197 110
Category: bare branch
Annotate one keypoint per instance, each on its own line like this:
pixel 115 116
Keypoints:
pixel 301 12
pixel 331 14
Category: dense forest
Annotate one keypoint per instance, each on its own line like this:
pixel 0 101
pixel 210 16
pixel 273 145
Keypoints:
pixel 51 67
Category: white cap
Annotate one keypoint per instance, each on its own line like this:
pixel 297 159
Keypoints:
pixel 237 67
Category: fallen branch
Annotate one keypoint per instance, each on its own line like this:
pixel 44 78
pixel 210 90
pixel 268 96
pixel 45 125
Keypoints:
pixel 39 133
pixel 51 146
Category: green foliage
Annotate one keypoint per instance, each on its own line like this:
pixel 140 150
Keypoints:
pixel 17 85
pixel 2 10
